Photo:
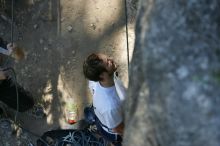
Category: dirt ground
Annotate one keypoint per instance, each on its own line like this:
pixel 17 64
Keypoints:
pixel 56 36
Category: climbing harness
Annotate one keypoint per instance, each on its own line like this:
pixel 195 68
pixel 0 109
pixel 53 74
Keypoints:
pixel 92 119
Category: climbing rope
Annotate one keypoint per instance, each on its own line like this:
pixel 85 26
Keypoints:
pixel 71 137
pixel 126 27
pixel 12 21
pixel 12 41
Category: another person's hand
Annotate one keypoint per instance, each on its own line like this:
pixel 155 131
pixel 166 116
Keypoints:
pixel 15 51
pixel 2 75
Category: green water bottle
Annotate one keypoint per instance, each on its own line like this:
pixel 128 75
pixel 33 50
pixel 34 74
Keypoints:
pixel 71 112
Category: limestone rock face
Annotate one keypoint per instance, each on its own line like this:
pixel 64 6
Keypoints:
pixel 174 87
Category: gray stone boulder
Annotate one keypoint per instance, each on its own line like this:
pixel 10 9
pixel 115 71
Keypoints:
pixel 174 87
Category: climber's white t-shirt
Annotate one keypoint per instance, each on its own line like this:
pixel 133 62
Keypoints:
pixel 107 104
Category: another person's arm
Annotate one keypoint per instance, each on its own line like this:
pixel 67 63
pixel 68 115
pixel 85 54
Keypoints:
pixel 12 50
pixel 7 51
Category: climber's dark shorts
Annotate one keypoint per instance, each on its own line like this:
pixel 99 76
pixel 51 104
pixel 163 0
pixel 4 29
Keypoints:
pixel 8 96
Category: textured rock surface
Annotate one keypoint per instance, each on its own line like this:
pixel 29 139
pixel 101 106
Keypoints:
pixel 174 94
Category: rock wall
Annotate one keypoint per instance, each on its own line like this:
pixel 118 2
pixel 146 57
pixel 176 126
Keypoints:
pixel 174 80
